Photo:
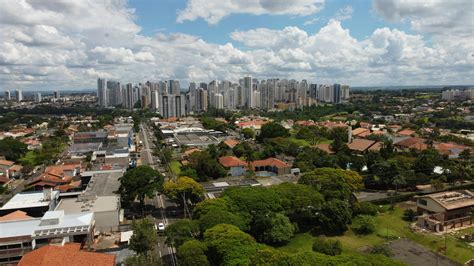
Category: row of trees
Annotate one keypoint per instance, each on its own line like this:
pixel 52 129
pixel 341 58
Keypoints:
pixel 241 226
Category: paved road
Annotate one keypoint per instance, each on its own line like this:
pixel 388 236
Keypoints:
pixel 167 253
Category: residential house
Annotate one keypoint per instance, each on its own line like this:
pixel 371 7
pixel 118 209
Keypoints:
pixel 272 165
pixel 360 145
pixel 412 143
pixel 445 211
pixel 69 254
pixel 236 166
pixel 59 177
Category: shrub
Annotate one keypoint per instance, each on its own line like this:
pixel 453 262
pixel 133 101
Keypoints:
pixel 409 215
pixel 327 246
pixel 382 250
pixel 363 224
pixel 366 208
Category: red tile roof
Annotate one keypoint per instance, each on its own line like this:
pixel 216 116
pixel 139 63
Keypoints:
pixel 231 143
pixel 406 132
pixel 16 215
pixel 231 161
pixel 6 162
pixel 413 143
pixel 270 162
pixel 360 144
pixel 67 255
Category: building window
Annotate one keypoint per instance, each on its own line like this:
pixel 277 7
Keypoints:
pixel 422 202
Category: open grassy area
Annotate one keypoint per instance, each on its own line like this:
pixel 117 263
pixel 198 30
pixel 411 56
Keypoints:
pixel 175 167
pixel 389 224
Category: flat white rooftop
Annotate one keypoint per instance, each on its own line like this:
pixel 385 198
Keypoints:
pixel 29 200
pixel 69 223
pixel 220 184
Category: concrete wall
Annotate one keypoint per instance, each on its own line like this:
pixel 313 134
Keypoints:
pixel 107 221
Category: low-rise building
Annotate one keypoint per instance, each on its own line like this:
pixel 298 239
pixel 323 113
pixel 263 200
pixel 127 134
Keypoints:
pixel 35 203
pixel 236 166
pixel 69 254
pixel 272 165
pixel 18 237
pixel 445 211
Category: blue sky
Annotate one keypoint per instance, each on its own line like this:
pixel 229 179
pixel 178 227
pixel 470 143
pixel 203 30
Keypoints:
pixel 160 16
pixel 69 44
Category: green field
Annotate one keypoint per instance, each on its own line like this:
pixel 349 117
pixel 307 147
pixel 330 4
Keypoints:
pixel 389 224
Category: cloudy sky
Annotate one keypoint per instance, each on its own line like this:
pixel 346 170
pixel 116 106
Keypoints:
pixel 67 44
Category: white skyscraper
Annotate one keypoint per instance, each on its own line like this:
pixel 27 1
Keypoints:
pixel 155 99
pixel 102 92
pixel 38 97
pixel 19 95
pixel 219 101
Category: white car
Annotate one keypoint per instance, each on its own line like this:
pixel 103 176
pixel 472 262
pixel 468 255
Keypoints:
pixel 161 227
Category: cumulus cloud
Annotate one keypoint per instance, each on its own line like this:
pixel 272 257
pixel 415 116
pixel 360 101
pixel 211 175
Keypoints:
pixel 70 44
pixel 432 17
pixel 213 11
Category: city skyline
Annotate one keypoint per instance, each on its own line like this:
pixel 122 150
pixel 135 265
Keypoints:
pixel 369 43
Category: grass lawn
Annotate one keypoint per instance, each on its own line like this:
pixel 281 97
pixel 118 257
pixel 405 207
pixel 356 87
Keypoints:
pixel 175 167
pixel 389 223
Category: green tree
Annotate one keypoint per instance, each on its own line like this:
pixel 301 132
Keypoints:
pixel 327 246
pixel 12 149
pixel 335 216
pixel 248 133
pixel 363 224
pixel 228 245
pixel 333 183
pixel 300 202
pixel 192 253
pixel 279 231
pixel 219 216
pixel 210 205
pixel 181 231
pixel 205 166
pixel 144 238
pixel 273 130
pixel 409 215
pixel 183 189
pixel 148 259
pixel 140 182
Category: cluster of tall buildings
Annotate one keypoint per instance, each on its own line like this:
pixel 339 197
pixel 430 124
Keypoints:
pixel 168 98
pixel 457 95
pixel 17 97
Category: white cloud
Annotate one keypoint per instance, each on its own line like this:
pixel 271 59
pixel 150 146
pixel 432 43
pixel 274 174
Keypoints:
pixel 310 21
pixel 213 11
pixel 344 13
pixel 71 43
pixel 432 17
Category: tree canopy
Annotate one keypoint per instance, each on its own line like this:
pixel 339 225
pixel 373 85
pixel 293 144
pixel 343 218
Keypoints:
pixel 273 130
pixel 144 236
pixel 140 182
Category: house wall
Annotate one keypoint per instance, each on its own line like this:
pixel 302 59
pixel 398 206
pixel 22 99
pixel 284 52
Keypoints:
pixel 431 205
pixel 237 171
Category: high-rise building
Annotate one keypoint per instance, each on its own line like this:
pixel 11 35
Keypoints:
pixel 38 97
pixel 248 92
pixel 56 95
pixel 336 94
pixel 155 100
pixel 7 96
pixel 174 87
pixel 19 95
pixel 172 105
pixel 130 102
pixel 219 101
pixel 345 93
pixel 102 92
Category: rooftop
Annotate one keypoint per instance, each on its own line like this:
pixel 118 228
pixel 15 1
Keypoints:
pixel 270 162
pixel 360 144
pixel 29 200
pixel 453 199
pixel 55 222
pixel 95 204
pixel 231 161
pixel 14 216
pixel 69 254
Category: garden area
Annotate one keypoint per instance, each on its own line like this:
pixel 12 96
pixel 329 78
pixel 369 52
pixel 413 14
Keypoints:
pixel 389 225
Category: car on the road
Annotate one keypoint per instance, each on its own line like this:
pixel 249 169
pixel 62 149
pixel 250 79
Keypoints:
pixel 161 227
